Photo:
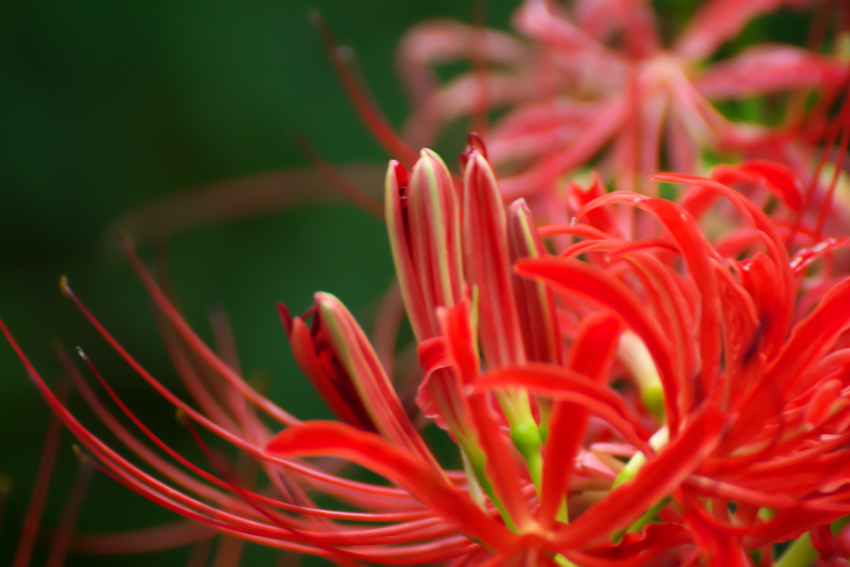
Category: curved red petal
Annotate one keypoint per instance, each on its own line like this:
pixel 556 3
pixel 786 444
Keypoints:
pixel 321 438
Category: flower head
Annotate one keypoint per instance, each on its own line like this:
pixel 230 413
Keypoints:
pixel 669 397
pixel 598 79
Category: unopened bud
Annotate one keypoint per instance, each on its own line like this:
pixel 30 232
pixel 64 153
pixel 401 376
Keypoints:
pixel 336 356
pixel 423 224
pixel 636 357
pixel 485 253
pixel 535 301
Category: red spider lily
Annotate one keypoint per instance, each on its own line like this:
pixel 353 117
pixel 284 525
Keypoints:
pixel 598 78
pixel 726 431
pixel 596 86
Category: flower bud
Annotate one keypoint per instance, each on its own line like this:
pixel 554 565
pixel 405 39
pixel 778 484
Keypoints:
pixel 424 228
pixel 488 270
pixel 485 253
pixel 534 300
pixel 337 358
pixel 423 224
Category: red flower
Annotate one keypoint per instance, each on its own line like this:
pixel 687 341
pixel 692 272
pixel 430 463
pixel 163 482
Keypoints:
pixel 597 78
pixel 663 399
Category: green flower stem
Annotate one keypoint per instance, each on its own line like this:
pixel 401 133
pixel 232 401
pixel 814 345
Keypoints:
pixel 647 517
pixel 802 553
pixel 477 462
pixel 657 441
pixel 563 512
pixel 525 433
pixel 526 438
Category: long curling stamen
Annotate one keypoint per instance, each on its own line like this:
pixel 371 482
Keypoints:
pixel 71 510
pixel 186 332
pixel 230 548
pixel 235 440
pixel 844 122
pixel 148 433
pixel 183 412
pixel 340 555
pixel 343 185
pixel 32 519
pixel 119 469
pixel 380 130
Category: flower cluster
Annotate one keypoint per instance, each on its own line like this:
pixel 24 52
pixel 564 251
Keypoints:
pixel 659 399
pixel 648 382
pixel 598 79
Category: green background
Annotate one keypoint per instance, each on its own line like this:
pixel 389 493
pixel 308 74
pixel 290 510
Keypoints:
pixel 107 105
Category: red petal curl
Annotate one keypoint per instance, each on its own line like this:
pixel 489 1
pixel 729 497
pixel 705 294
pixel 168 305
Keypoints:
pixel 660 476
pixel 329 438
pixel 697 253
pixel 810 339
pixel 574 276
pixel 777 178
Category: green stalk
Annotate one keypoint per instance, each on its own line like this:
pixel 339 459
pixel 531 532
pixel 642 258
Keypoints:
pixel 802 553
pixel 647 517
pixel 526 438
pixel 657 441
pixel 477 462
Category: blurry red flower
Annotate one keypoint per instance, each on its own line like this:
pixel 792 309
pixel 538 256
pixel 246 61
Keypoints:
pixel 598 79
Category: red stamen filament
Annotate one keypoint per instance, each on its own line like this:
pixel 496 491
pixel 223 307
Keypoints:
pixel 121 470
pixel 144 540
pixel 379 129
pixel 844 121
pixel 343 185
pixel 29 532
pixel 70 512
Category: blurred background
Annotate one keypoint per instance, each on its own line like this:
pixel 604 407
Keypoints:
pixel 107 106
